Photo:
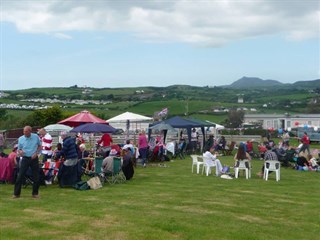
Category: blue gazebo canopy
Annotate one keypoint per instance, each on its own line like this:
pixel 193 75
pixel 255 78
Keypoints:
pixel 179 122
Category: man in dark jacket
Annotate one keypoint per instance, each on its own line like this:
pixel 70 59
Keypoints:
pixel 69 173
pixel 69 150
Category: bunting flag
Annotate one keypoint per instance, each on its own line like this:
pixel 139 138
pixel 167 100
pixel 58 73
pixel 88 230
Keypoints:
pixel 163 112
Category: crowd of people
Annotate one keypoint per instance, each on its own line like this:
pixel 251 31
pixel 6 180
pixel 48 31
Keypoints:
pixel 299 157
pixel 36 151
pixel 69 159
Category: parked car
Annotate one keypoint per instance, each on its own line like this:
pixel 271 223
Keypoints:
pixel 119 131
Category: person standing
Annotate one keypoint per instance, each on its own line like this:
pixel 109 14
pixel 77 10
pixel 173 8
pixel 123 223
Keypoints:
pixel 106 141
pixel 194 140
pixel 305 143
pixel 209 143
pixel 286 138
pixel 1 142
pixel 29 146
pixel 46 140
pixel 143 147
pixel 69 150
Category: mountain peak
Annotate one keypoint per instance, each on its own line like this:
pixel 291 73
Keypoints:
pixel 253 82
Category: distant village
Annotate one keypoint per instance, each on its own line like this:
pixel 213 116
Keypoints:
pixel 47 100
pixel 39 103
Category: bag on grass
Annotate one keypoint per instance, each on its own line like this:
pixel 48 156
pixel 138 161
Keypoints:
pixel 82 185
pixel 225 169
pixel 94 183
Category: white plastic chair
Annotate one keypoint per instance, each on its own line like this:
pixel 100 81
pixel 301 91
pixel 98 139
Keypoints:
pixel 207 165
pixel 271 165
pixel 196 162
pixel 243 166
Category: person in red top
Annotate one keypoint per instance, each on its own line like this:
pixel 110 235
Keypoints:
pixel 46 141
pixel 106 141
pixel 249 146
pixel 305 143
pixel 262 149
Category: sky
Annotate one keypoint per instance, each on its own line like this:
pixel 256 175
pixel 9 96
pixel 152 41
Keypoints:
pixel 135 43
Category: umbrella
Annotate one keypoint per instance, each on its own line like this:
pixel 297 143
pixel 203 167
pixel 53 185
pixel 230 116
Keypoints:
pixel 57 128
pixel 162 126
pixel 132 117
pixel 81 118
pixel 94 128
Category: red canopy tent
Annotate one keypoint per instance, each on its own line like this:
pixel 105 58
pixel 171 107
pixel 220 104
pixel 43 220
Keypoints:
pixel 82 118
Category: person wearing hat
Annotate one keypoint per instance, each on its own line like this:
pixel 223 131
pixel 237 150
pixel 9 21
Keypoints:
pixel 107 164
pixel 106 141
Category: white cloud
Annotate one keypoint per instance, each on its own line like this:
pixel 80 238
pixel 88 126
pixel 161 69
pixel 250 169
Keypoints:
pixel 204 23
pixel 62 36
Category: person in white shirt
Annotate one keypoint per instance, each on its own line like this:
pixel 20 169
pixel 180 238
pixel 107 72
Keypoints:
pixel 46 141
pixel 211 160
pixel 129 145
pixel 194 140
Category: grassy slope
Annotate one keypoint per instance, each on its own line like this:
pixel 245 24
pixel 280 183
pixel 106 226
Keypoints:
pixel 169 203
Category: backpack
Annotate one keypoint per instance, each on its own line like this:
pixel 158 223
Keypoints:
pixel 81 185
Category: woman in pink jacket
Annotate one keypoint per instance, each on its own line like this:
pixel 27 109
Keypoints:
pixel 143 147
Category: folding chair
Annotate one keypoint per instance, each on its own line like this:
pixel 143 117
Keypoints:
pixel 97 170
pixel 117 174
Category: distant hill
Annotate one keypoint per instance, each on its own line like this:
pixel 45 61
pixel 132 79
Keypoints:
pixel 254 82
pixel 307 83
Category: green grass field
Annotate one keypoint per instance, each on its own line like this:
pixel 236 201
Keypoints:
pixel 170 203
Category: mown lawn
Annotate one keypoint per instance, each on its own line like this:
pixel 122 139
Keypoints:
pixel 170 203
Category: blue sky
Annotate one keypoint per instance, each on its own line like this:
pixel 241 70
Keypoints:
pixel 156 43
